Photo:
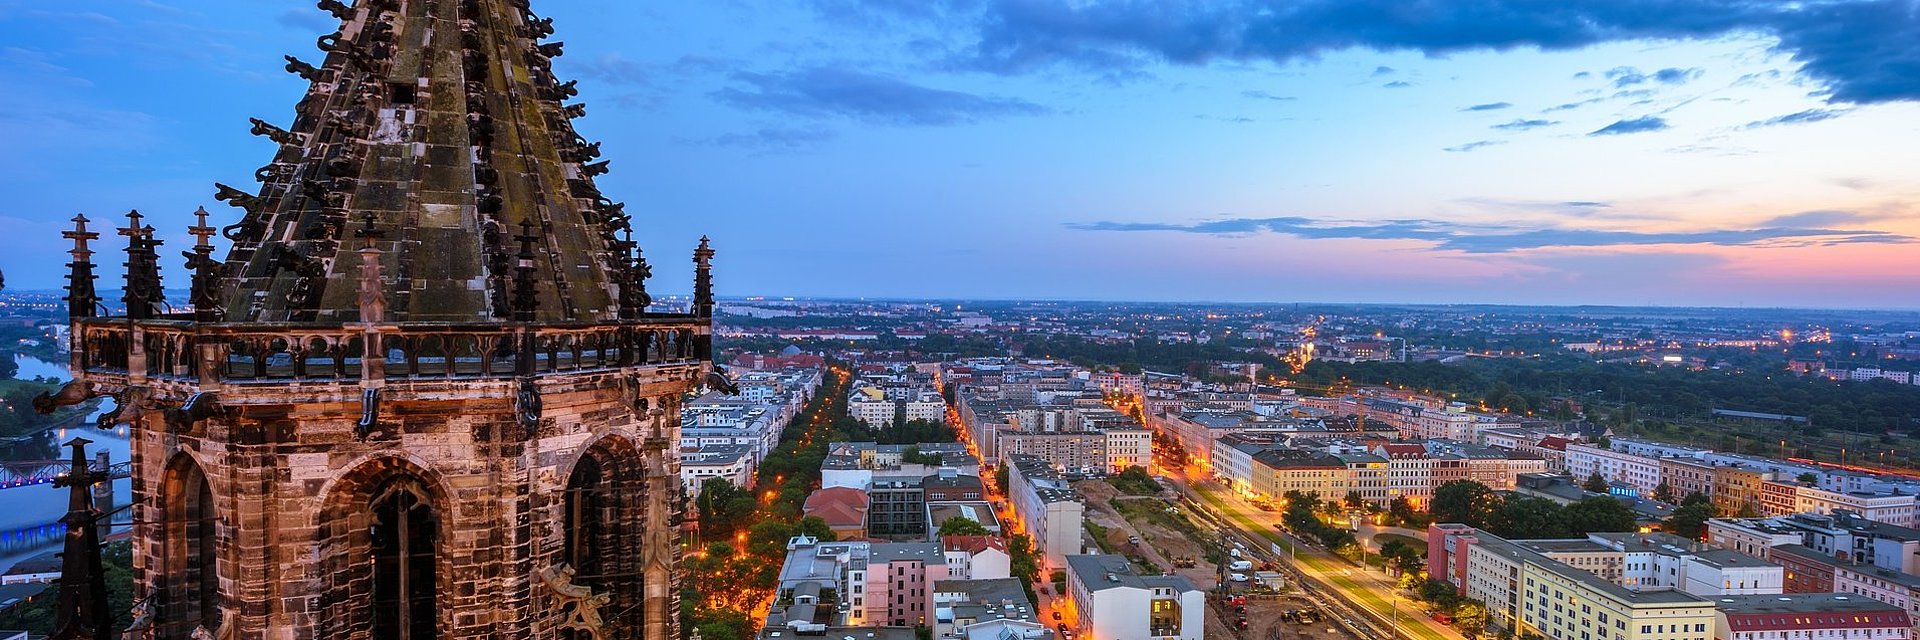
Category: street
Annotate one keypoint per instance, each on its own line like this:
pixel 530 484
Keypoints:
pixel 1316 571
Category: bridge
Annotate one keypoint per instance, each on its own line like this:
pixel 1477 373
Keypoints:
pixel 27 473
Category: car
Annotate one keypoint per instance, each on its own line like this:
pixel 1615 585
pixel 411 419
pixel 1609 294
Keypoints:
pixel 1133 539
pixel 1237 577
pixel 1241 623
pixel 1056 615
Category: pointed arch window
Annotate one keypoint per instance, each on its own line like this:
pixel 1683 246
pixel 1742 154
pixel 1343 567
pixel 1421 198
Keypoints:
pixel 191 599
pixel 405 541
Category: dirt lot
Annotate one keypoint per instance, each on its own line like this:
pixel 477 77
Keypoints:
pixel 1162 544
pixel 1264 622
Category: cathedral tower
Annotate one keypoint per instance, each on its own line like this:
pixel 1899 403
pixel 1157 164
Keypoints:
pixel 422 395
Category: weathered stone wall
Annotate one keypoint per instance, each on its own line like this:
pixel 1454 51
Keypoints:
pixel 291 482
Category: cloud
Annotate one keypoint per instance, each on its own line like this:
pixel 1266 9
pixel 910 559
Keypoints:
pixel 1491 106
pixel 826 92
pixel 1489 239
pixel 1862 51
pixel 1397 84
pixel 1633 125
pixel 1262 95
pixel 1802 117
pixel 771 139
pixel 1382 71
pixel 1628 76
pixel 1524 124
pixel 1477 144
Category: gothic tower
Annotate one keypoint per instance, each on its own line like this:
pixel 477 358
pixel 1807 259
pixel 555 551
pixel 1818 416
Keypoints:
pixel 422 396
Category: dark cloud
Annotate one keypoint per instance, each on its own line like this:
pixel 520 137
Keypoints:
pixel 1634 125
pixel 1491 106
pixel 1523 124
pixel 1262 95
pixel 1628 76
pixel 1863 51
pixel 1802 117
pixel 1382 71
pixel 1397 84
pixel 1503 239
pixel 1477 144
pixel 824 92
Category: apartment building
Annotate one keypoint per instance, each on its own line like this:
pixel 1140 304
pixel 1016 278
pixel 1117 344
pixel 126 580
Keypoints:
pixel 1810 616
pixel 1409 472
pixel 1640 472
pixel 1047 508
pixel 1109 599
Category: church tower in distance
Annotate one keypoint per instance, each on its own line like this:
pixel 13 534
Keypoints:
pixel 422 396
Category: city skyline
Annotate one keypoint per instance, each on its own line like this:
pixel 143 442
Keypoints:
pixel 1711 154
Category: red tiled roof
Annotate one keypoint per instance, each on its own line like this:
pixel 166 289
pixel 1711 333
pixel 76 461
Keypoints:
pixel 1555 443
pixel 838 506
pixel 972 544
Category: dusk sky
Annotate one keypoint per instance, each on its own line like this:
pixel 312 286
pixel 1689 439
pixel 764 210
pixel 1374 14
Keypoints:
pixel 1689 152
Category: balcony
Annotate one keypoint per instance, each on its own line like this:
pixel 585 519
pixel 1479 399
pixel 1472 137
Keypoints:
pixel 116 352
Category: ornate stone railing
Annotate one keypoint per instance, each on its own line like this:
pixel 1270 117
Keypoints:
pixel 183 351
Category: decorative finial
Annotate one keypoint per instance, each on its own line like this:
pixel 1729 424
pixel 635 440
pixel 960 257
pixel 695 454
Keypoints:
pixel 143 289
pixel 634 299
pixel 206 271
pixel 373 295
pixel 525 299
pixel 703 279
pixel 81 296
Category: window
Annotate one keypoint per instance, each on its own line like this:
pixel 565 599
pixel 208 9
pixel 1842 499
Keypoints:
pixel 404 534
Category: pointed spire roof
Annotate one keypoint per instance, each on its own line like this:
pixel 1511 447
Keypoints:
pixel 444 123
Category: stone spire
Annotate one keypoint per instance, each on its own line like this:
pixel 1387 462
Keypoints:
pixel 81 298
pixel 206 270
pixel 444 121
pixel 144 295
pixel 703 280
pixel 82 611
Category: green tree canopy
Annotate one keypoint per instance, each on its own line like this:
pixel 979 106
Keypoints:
pixel 1465 502
pixel 961 526
pixel 1599 514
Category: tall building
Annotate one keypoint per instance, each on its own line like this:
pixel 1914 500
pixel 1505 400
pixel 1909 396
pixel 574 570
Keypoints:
pixel 422 396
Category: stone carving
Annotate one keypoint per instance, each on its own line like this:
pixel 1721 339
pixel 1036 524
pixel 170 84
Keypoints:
pixel 198 406
pixel 129 407
pixel 579 606
pixel 339 9
pixel 718 380
pixel 72 393
pixel 369 414
pixel 238 198
pixel 528 406
pixel 300 68
pixel 276 134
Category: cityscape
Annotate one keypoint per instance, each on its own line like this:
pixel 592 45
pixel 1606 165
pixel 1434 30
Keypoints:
pixel 433 377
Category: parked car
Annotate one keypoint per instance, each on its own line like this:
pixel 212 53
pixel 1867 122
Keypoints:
pixel 1056 615
pixel 1237 577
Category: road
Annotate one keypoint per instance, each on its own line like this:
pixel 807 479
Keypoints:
pixel 1370 592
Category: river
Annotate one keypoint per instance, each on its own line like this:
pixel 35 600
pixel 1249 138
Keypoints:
pixel 28 514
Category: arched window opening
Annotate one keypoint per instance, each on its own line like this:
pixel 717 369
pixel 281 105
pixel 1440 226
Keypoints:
pixel 604 524
pixel 404 536
pixel 192 600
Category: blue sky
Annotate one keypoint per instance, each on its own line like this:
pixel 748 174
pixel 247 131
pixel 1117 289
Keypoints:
pixel 1722 152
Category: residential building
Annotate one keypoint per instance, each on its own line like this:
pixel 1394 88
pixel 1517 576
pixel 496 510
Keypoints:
pixel 1109 599
pixel 1278 471
pixel 977 557
pixel 1809 616
pixel 843 509
pixel 1130 446
pixel 1640 472
pixel 1892 587
pixel 729 462
pixel 1047 508
pixel 897 507
pixel 1409 472
pixel 984 609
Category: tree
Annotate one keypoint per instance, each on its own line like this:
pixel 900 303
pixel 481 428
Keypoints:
pixel 1464 501
pixel 1689 521
pixel 1400 512
pixel 962 526
pixel 1135 481
pixel 1808 478
pixel 1470 617
pixel 1696 498
pixel 1595 483
pixel 1663 492
pixel 1354 500
pixel 1599 514
pixel 723 507
pixel 1529 518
